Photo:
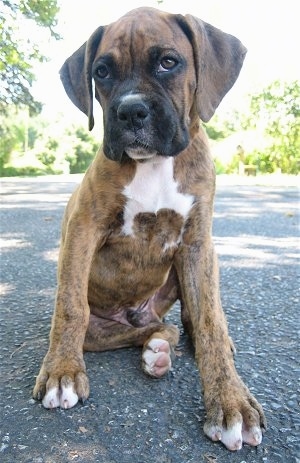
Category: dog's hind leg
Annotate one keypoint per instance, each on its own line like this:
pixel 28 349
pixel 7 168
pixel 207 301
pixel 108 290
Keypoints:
pixel 140 326
pixel 158 340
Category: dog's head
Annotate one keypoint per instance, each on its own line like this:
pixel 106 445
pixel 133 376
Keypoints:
pixel 154 74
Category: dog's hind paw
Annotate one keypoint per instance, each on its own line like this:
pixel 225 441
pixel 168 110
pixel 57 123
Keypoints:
pixel 156 357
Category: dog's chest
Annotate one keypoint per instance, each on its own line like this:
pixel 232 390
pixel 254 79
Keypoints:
pixel 153 202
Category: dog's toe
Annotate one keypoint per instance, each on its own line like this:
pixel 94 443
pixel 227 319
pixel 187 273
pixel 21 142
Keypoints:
pixel 156 358
pixel 232 437
pixel 61 394
pixel 51 399
pixel 252 436
pixel 68 396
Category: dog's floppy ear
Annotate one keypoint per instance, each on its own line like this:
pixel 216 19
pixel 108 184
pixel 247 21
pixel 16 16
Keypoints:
pixel 218 59
pixel 76 75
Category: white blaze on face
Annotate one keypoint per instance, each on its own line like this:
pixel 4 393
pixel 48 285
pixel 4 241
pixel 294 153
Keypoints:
pixel 153 188
pixel 132 97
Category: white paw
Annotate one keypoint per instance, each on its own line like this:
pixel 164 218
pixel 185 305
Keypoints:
pixel 234 436
pixel 64 397
pixel 156 357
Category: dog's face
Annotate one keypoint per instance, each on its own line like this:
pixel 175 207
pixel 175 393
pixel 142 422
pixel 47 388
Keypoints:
pixel 145 82
pixel 153 74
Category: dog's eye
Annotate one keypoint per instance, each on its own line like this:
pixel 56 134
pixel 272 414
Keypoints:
pixel 102 71
pixel 167 63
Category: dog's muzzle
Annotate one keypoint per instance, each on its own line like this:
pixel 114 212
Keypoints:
pixel 133 115
pixel 142 128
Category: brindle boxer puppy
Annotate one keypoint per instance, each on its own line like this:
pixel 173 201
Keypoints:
pixel 136 234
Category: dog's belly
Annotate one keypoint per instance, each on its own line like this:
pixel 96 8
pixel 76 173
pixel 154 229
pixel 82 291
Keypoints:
pixel 128 270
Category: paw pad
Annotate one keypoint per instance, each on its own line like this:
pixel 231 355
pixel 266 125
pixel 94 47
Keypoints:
pixel 156 357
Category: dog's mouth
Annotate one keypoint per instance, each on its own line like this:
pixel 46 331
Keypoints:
pixel 139 151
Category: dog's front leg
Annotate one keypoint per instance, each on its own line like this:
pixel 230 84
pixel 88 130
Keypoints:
pixel 233 414
pixel 62 380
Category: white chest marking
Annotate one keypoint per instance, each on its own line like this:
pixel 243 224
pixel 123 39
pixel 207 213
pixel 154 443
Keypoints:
pixel 152 188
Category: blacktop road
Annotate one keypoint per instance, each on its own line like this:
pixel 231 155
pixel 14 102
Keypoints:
pixel 130 418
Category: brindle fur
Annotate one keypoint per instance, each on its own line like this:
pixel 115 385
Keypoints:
pixel 104 277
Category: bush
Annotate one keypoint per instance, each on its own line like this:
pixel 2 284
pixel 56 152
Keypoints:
pixel 21 171
pixel 277 111
pixel 83 151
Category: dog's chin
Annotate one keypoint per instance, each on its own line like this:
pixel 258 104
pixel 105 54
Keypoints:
pixel 140 153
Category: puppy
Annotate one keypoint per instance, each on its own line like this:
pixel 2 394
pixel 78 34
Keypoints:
pixel 136 234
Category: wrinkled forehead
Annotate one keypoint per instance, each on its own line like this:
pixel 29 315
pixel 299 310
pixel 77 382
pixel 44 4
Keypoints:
pixel 137 32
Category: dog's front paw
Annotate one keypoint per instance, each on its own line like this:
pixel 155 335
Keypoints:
pixel 62 386
pixel 235 419
pixel 156 357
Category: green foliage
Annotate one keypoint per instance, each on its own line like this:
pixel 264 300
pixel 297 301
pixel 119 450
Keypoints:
pixel 276 111
pixel 219 128
pixel 47 155
pixel 31 146
pixel 43 12
pixel 27 171
pixel 83 151
pixel 11 136
pixel 18 52
pixel 219 167
pixel 47 158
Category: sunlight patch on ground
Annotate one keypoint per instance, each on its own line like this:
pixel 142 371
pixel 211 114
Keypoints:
pixel 259 180
pixel 8 242
pixel 51 255
pixel 6 288
pixel 256 251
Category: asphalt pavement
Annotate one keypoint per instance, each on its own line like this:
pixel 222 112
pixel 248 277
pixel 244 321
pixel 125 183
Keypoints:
pixel 130 418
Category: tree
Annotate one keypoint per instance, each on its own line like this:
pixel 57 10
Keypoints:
pixel 276 111
pixel 18 53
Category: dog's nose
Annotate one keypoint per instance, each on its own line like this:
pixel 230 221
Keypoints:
pixel 133 112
